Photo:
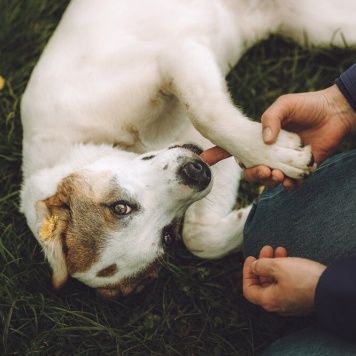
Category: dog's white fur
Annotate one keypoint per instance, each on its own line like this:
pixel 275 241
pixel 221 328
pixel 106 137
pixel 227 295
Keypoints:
pixel 119 79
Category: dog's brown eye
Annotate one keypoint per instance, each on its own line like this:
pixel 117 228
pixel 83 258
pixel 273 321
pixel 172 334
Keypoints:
pixel 121 209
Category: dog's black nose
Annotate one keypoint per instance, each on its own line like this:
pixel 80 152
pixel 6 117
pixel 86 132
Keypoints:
pixel 196 174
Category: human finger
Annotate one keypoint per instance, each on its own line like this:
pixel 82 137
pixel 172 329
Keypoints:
pixel 257 174
pixel 263 174
pixel 276 178
pixel 214 155
pixel 280 252
pixel 247 275
pixel 250 282
pixel 270 126
pixel 272 118
pixel 266 252
pixel 290 184
pixel 263 267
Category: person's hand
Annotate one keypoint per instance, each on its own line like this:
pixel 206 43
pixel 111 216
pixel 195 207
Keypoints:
pixel 322 119
pixel 214 155
pixel 281 284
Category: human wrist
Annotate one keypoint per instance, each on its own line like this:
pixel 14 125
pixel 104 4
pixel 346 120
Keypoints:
pixel 339 105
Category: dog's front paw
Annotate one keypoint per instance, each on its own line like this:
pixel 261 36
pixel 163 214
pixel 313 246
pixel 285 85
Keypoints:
pixel 215 238
pixel 287 154
pixel 295 159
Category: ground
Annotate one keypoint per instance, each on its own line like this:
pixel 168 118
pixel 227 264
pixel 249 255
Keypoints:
pixel 196 307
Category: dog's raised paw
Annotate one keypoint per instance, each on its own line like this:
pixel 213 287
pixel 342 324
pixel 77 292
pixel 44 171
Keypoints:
pixel 288 154
pixel 296 160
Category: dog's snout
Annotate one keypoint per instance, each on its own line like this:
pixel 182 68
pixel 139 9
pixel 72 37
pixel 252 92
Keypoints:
pixel 195 174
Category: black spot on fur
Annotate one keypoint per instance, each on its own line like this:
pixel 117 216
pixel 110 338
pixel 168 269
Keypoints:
pixel 189 146
pixel 148 158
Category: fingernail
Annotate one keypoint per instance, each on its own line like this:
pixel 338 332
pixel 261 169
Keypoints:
pixel 267 134
pixel 253 266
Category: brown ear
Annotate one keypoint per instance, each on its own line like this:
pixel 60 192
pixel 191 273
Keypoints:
pixel 52 222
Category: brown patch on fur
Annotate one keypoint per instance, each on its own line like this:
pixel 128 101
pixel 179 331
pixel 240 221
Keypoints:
pixel 133 284
pixel 53 246
pixel 108 271
pixel 108 216
pixel 156 100
pixel 88 226
pixel 84 222
pixel 132 142
pixel 133 130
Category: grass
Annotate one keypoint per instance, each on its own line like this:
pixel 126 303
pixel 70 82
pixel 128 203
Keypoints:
pixel 196 307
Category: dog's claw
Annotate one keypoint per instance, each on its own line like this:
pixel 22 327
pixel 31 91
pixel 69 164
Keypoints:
pixel 311 162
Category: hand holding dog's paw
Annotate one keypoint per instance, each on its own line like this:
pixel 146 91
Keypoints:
pixel 295 159
pixel 322 119
pixel 287 154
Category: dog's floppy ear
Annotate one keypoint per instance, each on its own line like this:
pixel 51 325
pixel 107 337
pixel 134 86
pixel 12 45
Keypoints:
pixel 52 222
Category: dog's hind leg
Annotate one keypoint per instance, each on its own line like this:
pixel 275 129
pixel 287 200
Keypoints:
pixel 197 81
pixel 318 23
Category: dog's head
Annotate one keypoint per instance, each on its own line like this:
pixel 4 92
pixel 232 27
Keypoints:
pixel 110 223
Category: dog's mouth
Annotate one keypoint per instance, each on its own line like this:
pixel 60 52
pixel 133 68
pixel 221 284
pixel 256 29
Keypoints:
pixel 189 146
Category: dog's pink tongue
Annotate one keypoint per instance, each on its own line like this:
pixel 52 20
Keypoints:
pixel 214 155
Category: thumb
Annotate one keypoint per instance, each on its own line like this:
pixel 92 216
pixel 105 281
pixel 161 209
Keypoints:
pixel 263 267
pixel 270 129
pixel 272 118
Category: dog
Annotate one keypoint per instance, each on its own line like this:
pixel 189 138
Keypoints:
pixel 116 113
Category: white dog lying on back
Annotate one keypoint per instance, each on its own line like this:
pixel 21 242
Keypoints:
pixel 118 83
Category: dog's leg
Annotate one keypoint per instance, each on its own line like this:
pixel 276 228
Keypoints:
pixel 317 23
pixel 212 227
pixel 200 86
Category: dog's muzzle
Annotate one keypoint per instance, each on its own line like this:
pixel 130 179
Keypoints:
pixel 196 174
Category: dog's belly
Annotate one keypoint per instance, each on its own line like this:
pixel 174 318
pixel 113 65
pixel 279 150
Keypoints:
pixel 103 84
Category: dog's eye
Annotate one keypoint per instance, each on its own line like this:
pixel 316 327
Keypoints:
pixel 168 238
pixel 121 208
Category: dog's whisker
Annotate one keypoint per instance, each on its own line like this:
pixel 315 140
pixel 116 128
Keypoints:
pixel 166 265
